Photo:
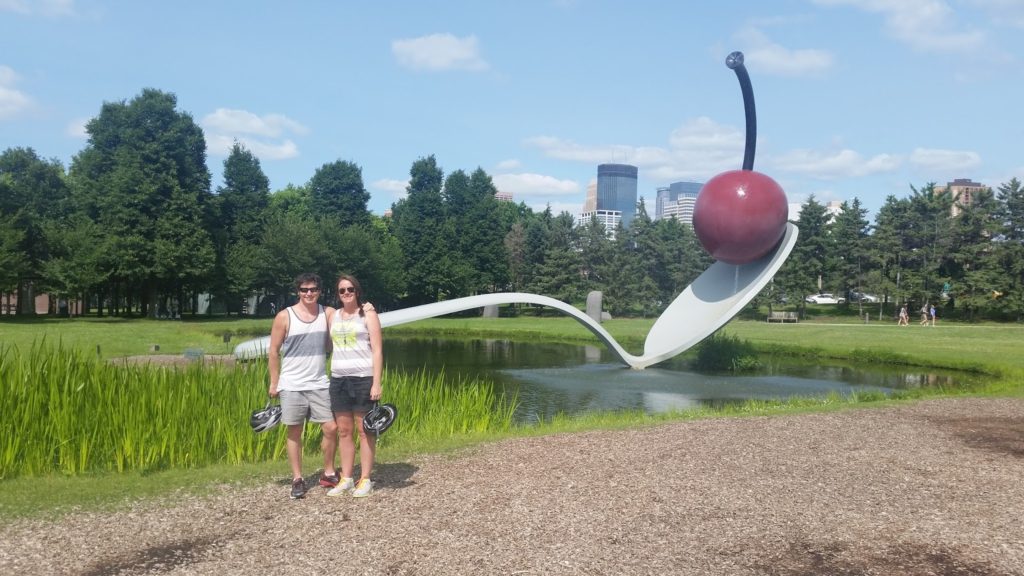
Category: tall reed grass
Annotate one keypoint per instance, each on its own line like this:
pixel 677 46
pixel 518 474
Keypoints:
pixel 65 411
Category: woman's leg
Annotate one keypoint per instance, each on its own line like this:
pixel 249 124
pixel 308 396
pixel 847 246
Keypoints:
pixel 346 444
pixel 367 447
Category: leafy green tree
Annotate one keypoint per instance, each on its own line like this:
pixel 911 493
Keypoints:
pixel 515 253
pixel 337 193
pixel 143 178
pixel 13 262
pixel 33 193
pixel 77 264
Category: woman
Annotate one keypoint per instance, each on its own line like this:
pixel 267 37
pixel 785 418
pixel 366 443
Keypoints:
pixel 356 365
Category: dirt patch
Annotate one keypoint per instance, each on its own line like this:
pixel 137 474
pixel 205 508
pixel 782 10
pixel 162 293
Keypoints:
pixel 1004 435
pixel 906 559
pixel 155 560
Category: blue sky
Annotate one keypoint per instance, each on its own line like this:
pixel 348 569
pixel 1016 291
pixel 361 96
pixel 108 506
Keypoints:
pixel 855 98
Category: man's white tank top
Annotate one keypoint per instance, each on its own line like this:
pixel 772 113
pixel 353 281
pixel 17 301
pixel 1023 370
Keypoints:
pixel 304 353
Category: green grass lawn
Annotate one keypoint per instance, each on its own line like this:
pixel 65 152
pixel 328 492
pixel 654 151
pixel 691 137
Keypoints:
pixel 992 348
pixel 949 344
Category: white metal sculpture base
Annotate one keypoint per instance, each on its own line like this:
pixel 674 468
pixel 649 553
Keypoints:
pixel 703 307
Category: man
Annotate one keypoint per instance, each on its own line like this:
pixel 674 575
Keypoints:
pixel 299 344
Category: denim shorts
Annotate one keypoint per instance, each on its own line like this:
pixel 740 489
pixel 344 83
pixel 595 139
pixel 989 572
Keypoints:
pixel 351 394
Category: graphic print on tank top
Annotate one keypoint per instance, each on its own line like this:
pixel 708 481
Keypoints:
pixel 344 335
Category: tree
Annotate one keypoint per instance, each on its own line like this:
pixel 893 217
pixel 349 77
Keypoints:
pixel 1009 250
pixel 244 197
pixel 419 222
pixel 77 263
pixel 849 234
pixel 143 178
pixel 336 193
pixel 33 193
pixel 807 264
pixel 241 209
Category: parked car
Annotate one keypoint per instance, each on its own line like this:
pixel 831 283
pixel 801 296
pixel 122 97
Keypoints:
pixel 824 298
pixel 862 297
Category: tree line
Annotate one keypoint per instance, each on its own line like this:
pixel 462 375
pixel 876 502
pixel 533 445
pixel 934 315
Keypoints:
pixel 135 227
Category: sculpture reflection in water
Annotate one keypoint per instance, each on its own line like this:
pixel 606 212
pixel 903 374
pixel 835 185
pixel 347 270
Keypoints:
pixel 740 218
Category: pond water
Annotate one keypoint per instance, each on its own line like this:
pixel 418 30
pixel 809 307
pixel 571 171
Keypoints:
pixel 562 378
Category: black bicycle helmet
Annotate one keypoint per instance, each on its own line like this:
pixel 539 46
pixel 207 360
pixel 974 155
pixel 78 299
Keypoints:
pixel 380 418
pixel 265 418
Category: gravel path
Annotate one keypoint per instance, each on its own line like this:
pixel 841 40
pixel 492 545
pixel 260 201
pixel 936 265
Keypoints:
pixel 927 488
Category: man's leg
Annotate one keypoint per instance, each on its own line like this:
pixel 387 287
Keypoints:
pixel 295 449
pixel 329 445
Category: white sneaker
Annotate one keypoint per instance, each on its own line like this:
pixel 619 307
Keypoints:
pixel 344 486
pixel 364 488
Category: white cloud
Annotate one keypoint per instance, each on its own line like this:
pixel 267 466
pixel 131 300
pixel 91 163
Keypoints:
pixel 264 136
pixel 243 122
pixel 43 7
pixel 439 52
pixel 76 128
pixel 926 25
pixel 698 149
pixel 527 184
pixel 396 189
pixel 390 185
pixel 845 163
pixel 510 164
pixel 12 101
pixel 946 161
pixel 772 58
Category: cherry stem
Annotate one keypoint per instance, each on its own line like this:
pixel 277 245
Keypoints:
pixel 735 62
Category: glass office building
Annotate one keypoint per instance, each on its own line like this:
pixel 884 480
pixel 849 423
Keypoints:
pixel 674 200
pixel 616 190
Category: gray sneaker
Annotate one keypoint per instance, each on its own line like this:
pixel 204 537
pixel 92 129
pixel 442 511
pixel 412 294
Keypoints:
pixel 298 488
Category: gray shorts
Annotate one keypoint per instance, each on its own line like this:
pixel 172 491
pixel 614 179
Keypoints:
pixel 297 406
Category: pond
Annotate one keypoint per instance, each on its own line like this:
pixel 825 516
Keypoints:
pixel 563 378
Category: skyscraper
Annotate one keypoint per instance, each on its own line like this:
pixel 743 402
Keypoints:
pixel 677 200
pixel 616 190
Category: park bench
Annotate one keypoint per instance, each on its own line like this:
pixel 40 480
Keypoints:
pixel 782 317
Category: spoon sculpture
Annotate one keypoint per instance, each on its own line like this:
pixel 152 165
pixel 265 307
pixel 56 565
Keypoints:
pixel 739 218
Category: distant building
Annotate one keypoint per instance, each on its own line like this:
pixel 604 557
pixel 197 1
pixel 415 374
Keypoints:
pixel 963 190
pixel 616 190
pixel 503 196
pixel 590 204
pixel 832 210
pixel 610 219
pixel 677 201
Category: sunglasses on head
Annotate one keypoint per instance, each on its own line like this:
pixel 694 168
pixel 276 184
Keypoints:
pixel 349 289
pixel 306 290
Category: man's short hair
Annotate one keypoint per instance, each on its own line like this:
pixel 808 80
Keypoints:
pixel 306 278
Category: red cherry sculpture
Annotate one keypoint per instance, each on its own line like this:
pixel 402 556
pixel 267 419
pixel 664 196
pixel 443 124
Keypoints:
pixel 741 215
